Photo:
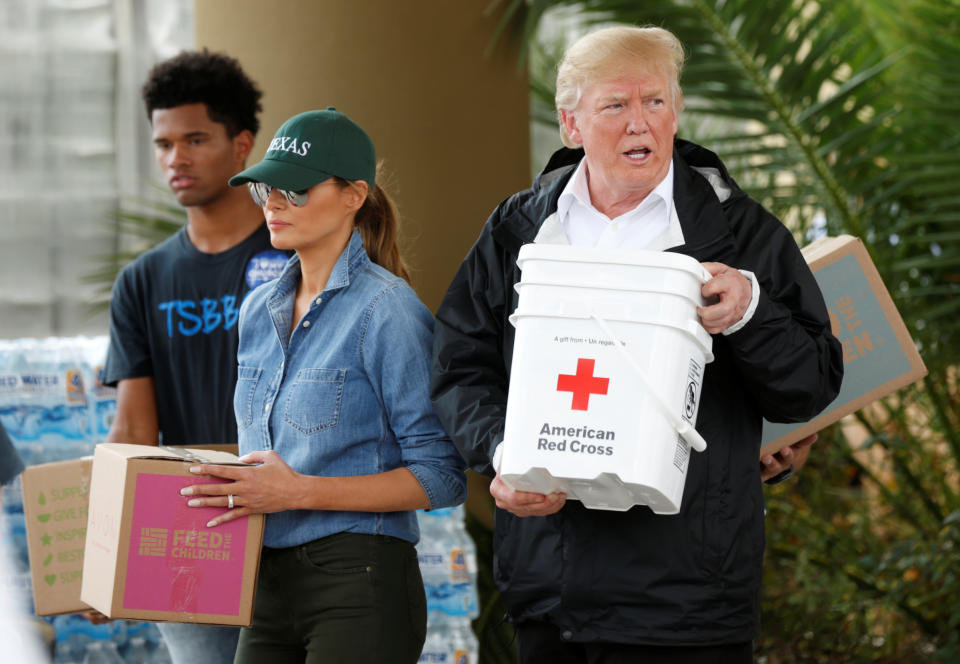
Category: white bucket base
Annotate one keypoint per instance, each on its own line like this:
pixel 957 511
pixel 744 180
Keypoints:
pixel 606 491
pixel 619 452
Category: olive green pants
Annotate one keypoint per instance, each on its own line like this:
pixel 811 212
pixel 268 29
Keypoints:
pixel 344 598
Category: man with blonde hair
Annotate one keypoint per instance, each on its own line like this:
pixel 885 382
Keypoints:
pixel 603 586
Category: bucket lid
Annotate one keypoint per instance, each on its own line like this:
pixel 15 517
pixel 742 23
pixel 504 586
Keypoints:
pixel 667 290
pixel 612 256
pixel 580 311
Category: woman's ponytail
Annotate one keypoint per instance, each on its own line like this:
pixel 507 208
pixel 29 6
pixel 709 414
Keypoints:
pixel 379 226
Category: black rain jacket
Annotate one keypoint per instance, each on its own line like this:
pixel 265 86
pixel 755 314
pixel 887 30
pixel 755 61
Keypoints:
pixel 636 577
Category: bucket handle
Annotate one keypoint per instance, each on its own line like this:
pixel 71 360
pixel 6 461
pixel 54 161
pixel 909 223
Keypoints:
pixel 682 427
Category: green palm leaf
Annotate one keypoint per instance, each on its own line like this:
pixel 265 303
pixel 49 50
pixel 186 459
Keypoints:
pixel 139 224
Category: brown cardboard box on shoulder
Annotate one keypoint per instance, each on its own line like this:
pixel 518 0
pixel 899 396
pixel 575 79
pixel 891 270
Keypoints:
pixel 879 356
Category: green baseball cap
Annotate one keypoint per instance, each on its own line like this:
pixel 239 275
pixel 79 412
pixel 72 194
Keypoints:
pixel 311 147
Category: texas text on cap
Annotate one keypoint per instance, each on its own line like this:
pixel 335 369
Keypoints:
pixel 311 147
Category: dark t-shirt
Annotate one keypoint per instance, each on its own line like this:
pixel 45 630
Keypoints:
pixel 10 463
pixel 173 316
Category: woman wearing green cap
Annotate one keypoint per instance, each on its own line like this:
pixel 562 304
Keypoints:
pixel 333 409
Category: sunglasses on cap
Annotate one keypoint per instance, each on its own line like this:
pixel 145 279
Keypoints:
pixel 261 193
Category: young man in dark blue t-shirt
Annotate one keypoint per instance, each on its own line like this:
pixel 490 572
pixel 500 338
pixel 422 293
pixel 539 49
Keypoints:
pixel 173 314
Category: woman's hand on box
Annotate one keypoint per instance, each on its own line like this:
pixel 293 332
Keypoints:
pixel 270 486
pixel 525 503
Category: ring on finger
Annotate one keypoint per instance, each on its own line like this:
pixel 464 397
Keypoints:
pixel 230 501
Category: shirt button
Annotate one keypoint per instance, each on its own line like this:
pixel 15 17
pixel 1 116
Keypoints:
pixel 266 408
pixel 318 300
pixel 567 635
pixel 306 323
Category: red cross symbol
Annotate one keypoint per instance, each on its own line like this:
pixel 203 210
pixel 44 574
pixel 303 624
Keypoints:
pixel 583 384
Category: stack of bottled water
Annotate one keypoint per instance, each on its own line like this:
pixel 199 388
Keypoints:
pixel 80 642
pixel 448 564
pixel 53 403
pixel 54 407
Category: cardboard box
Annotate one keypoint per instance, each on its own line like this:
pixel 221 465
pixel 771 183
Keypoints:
pixel 150 557
pixel 232 448
pixel 55 497
pixel 879 356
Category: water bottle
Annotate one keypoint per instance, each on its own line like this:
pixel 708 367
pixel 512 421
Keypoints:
pixel 451 599
pixel 445 551
pixel 103 399
pixel 450 643
pixel 438 523
pixel 448 565
pixel 161 655
pixel 72 649
pixel 75 634
pixel 137 652
pixel 102 652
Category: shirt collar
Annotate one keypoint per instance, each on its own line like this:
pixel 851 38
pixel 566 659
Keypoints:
pixel 577 191
pixel 346 265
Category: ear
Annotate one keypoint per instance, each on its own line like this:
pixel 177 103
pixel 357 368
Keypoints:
pixel 570 126
pixel 242 146
pixel 355 194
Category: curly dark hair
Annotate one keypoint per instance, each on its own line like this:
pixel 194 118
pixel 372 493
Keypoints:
pixel 214 79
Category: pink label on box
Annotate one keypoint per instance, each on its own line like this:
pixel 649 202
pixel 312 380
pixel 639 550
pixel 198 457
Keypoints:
pixel 175 562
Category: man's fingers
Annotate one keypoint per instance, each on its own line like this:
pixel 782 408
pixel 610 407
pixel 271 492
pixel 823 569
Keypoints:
pixel 715 268
pixel 718 317
pixel 553 503
pixel 525 503
pixel 771 466
pixel 733 292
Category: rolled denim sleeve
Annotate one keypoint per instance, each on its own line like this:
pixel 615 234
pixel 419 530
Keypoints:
pixel 396 356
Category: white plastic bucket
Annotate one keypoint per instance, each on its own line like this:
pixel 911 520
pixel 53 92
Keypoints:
pixel 608 364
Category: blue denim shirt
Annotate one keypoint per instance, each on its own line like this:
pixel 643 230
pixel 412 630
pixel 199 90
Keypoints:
pixel 347 393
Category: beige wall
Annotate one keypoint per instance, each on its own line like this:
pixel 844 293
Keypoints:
pixel 451 122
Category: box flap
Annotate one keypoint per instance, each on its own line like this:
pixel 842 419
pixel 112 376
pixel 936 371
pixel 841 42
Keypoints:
pixel 825 246
pixel 185 454
pixel 43 468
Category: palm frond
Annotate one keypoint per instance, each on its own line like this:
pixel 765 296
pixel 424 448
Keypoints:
pixel 140 225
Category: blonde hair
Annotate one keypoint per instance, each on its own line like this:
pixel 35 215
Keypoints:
pixel 379 226
pixel 607 52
